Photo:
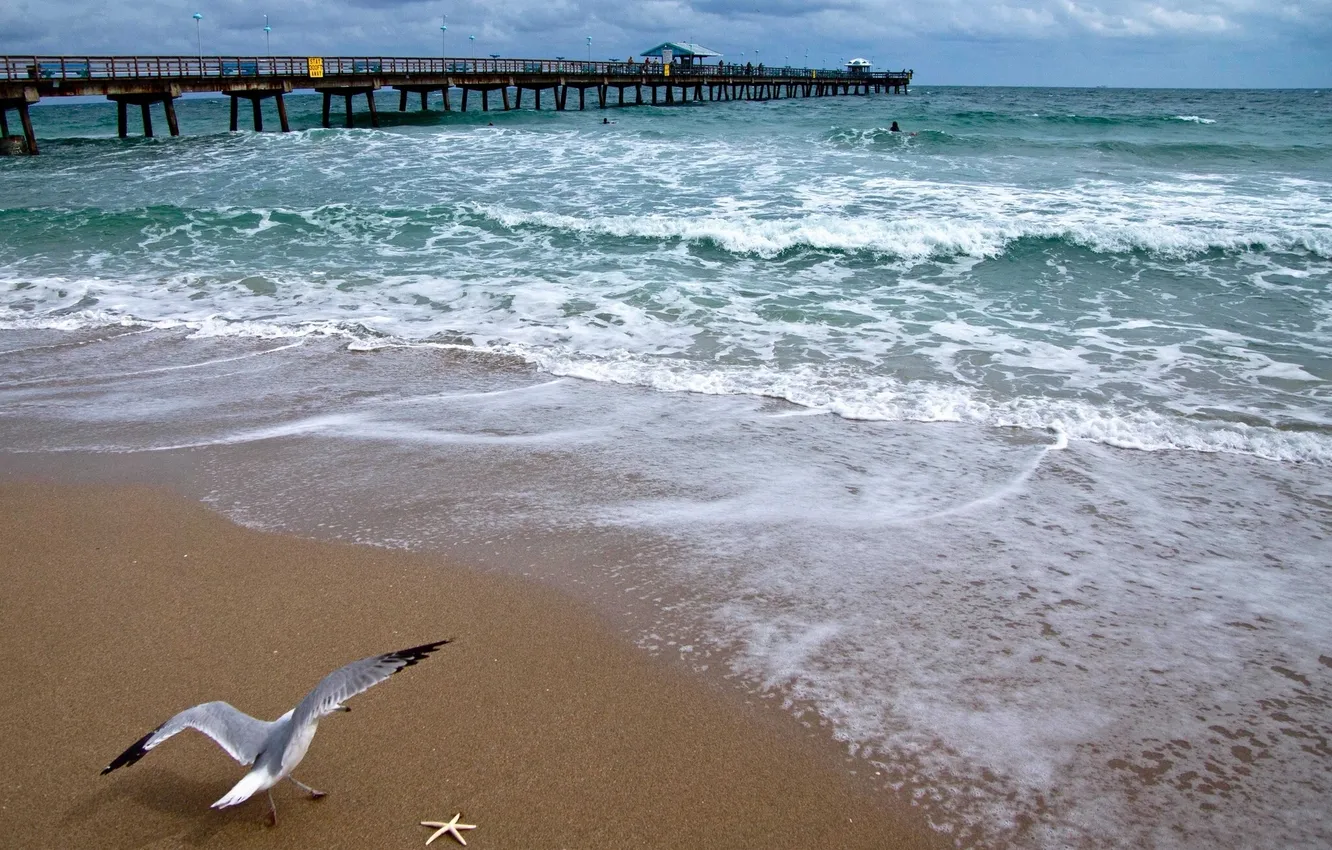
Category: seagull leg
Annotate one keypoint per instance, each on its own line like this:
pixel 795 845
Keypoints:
pixel 272 810
pixel 314 793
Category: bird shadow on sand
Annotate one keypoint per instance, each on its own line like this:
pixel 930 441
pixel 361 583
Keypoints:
pixel 159 791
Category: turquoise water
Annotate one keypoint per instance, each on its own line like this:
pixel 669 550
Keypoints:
pixel 1143 268
pixel 1000 444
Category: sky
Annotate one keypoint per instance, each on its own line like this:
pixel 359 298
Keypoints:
pixel 1136 43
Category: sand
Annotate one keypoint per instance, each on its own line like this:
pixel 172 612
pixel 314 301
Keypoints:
pixel 539 723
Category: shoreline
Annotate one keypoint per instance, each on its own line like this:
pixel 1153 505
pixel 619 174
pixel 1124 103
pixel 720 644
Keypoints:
pixel 540 723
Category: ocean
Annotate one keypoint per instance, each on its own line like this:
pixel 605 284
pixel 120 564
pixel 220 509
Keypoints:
pixel 998 449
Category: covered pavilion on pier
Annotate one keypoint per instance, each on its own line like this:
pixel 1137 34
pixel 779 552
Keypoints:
pixel 683 52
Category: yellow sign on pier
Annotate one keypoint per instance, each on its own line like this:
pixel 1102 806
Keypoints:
pixel 316 66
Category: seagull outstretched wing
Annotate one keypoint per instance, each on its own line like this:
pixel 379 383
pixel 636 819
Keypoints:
pixel 346 682
pixel 241 735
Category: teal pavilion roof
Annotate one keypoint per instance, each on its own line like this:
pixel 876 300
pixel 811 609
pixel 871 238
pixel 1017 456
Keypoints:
pixel 680 48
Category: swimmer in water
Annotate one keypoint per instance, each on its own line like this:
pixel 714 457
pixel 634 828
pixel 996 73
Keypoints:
pixel 894 128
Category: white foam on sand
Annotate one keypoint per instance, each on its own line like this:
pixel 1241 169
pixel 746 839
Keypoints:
pixel 1035 637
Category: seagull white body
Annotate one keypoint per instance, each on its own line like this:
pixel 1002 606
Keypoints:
pixel 274 748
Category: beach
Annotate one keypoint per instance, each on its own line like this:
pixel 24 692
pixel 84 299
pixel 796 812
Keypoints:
pixel 984 464
pixel 538 723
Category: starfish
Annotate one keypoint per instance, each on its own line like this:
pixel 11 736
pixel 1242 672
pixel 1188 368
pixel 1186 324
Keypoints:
pixel 451 828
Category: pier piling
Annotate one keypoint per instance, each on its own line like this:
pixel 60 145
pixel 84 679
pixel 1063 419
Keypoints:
pixel 169 107
pixel 145 100
pixel 370 99
pixel 256 98
pixel 19 104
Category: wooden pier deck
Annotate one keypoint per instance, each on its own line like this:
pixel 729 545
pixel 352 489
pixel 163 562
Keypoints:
pixel 147 80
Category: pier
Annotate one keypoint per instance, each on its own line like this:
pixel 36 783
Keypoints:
pixel 145 81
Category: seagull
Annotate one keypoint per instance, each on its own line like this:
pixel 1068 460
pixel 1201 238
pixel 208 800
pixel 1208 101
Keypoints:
pixel 276 747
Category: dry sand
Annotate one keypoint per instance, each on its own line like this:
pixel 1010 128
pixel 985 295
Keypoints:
pixel 120 606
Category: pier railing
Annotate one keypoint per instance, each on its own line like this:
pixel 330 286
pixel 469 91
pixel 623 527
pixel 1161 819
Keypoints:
pixel 87 68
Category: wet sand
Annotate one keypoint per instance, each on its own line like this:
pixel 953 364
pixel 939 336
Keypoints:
pixel 123 605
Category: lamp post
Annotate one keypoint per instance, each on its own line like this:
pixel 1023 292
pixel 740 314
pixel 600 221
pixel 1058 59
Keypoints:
pixel 472 39
pixel 443 31
pixel 589 50
pixel 198 34
pixel 268 39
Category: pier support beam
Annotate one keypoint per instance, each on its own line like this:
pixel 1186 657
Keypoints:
pixel 424 91
pixel 145 100
pixel 346 93
pixel 26 120
pixel 169 107
pixel 374 116
pixel 20 104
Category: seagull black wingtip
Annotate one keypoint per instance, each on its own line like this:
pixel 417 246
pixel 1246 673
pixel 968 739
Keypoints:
pixel 416 654
pixel 135 752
